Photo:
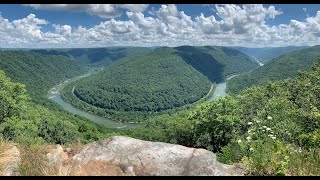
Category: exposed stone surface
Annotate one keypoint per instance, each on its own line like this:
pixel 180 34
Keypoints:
pixel 128 156
pixel 124 156
pixel 57 155
pixel 12 161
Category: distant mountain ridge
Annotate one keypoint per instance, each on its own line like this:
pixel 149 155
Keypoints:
pixel 95 56
pixel 285 66
pixel 264 55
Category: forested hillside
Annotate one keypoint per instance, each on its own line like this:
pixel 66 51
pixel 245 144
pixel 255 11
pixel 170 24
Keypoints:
pixel 216 62
pixel 151 82
pixel 24 122
pixel 165 78
pixel 95 56
pixel 283 67
pixel 39 73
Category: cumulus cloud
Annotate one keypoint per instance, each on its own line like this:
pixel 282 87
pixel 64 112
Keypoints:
pixel 27 31
pixel 63 29
pixel 101 10
pixel 230 25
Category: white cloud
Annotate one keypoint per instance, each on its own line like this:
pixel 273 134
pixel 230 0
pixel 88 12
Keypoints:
pixel 208 25
pixel 101 10
pixel 63 29
pixel 231 25
pixel 240 20
pixel 27 32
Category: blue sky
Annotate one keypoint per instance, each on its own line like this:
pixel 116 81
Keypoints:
pixel 155 25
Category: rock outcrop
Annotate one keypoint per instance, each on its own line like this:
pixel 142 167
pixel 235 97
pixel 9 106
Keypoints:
pixel 57 155
pixel 124 156
pixel 127 156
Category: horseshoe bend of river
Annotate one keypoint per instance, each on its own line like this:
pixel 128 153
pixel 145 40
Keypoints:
pixel 54 95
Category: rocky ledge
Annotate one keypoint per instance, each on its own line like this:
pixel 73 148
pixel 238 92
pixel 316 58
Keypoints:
pixel 124 156
pixel 128 156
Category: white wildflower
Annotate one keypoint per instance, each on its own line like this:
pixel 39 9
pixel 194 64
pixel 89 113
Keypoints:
pixel 239 141
pixel 248 138
pixel 268 129
pixel 263 130
pixel 269 118
pixel 264 127
pixel 258 121
pixel 251 149
pixel 250 123
pixel 273 137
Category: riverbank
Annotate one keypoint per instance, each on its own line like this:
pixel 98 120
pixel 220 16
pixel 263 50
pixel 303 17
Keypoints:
pixel 54 95
pixel 220 89
pixel 216 90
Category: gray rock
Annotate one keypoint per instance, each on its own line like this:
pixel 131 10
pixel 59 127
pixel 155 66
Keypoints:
pixel 142 158
pixel 57 155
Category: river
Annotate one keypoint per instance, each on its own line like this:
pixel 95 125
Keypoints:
pixel 54 95
pixel 221 89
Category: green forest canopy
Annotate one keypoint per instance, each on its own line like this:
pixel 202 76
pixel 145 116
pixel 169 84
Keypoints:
pixel 39 73
pixel 164 78
pixel 283 67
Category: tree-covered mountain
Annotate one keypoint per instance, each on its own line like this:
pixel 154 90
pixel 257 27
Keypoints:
pixel 162 79
pixel 216 62
pixel 95 56
pixel 25 122
pixel 283 67
pixel 38 72
pixel 155 81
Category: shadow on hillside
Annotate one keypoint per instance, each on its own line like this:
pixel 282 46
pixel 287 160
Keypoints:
pixel 97 55
pixel 50 52
pixel 202 62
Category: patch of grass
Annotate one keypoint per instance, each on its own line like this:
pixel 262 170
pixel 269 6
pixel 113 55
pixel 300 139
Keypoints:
pixel 304 163
pixel 34 161
pixel 6 156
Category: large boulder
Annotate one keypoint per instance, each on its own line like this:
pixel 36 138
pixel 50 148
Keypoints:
pixel 128 156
